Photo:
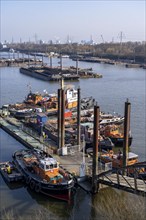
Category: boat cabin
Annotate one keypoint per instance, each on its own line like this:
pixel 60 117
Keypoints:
pixel 48 164
pixel 71 97
pixel 48 169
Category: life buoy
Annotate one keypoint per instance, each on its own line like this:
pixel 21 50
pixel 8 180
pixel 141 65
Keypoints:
pixel 28 179
pixel 32 184
pixel 38 188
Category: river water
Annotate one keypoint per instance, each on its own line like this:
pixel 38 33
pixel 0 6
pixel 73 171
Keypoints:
pixel 111 91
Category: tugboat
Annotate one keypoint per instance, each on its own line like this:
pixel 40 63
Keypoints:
pixel 43 174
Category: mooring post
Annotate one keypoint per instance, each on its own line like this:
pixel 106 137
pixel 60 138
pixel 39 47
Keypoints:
pixel 13 55
pixel 28 59
pixel 50 61
pixel 135 179
pixel 62 117
pixel 126 133
pixel 77 66
pixel 23 57
pixel 35 58
pixel 59 118
pixel 79 118
pixel 42 60
pixel 95 149
pixel 61 61
pixel 9 55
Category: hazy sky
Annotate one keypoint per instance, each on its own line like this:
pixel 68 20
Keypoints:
pixel 79 20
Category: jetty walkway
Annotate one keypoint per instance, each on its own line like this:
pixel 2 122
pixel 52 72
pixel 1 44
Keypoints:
pixel 14 128
pixel 30 139
pixel 134 183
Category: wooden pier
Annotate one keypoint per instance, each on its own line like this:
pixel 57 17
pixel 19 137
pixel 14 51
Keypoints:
pixel 134 182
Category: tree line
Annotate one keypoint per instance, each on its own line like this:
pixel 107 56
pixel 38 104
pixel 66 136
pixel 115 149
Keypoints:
pixel 134 51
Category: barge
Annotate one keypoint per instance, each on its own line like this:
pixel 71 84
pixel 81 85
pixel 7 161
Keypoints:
pixel 48 74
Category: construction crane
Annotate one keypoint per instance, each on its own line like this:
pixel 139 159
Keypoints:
pixel 102 38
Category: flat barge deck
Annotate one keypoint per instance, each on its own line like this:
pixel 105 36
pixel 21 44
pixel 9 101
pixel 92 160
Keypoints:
pixel 56 73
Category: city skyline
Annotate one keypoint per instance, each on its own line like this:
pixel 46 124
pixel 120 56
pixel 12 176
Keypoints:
pixel 75 21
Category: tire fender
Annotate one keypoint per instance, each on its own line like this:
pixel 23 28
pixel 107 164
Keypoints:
pixel 38 188
pixel 28 179
pixel 32 184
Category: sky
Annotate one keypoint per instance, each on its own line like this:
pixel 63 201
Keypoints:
pixel 99 20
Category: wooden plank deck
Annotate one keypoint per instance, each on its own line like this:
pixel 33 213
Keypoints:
pixel 122 182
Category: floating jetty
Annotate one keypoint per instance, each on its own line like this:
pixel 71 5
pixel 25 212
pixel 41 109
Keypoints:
pixel 29 139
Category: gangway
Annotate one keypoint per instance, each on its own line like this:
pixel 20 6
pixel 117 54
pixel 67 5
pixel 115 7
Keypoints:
pixel 130 178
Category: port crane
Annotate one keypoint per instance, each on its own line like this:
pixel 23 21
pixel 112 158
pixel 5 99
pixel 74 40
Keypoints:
pixel 102 38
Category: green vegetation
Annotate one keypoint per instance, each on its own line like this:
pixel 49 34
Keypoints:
pixel 116 204
pixel 39 214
